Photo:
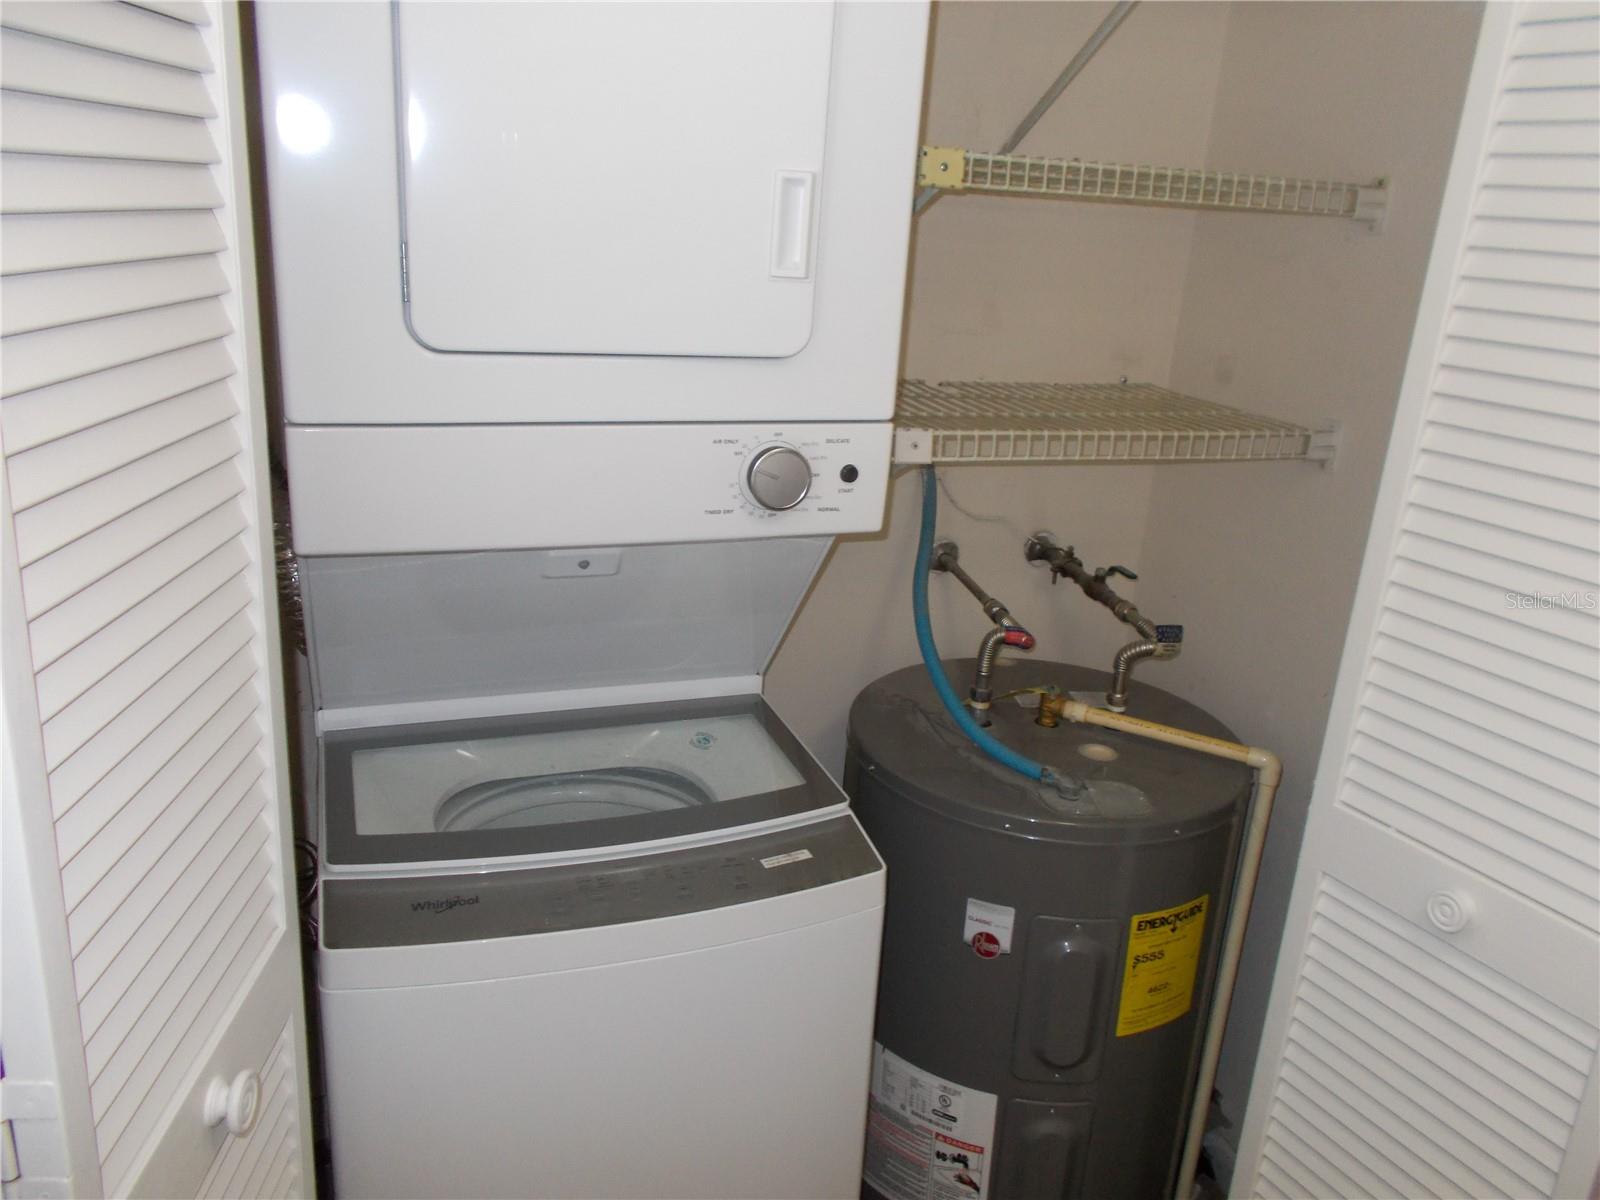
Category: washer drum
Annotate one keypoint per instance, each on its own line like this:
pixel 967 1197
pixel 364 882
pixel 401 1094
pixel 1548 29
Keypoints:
pixel 1048 959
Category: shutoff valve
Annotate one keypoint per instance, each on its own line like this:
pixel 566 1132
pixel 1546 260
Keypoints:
pixel 1006 631
pixel 1155 641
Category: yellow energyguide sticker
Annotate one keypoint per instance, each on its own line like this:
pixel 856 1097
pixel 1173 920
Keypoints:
pixel 1163 960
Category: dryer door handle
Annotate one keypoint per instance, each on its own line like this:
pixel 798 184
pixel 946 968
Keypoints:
pixel 791 224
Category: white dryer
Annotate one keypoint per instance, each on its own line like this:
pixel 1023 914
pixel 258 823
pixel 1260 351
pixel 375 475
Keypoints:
pixel 616 938
pixel 655 247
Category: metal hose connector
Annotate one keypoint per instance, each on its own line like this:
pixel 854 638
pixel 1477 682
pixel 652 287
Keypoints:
pixel 1007 633
pixel 988 651
pixel 982 693
pixel 1122 670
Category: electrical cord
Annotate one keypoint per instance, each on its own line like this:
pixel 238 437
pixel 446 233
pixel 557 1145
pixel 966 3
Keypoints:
pixel 989 519
pixel 305 863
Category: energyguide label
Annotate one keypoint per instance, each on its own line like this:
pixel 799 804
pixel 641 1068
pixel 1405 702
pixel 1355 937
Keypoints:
pixel 1163 960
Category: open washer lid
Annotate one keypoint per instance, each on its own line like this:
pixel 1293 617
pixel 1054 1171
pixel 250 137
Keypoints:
pixel 495 706
pixel 427 637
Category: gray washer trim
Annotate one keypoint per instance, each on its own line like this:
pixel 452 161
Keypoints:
pixel 432 909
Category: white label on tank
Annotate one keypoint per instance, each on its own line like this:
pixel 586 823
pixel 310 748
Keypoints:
pixel 927 1138
pixel 783 860
pixel 988 927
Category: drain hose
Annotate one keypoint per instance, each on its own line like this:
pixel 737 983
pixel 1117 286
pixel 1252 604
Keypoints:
pixel 980 737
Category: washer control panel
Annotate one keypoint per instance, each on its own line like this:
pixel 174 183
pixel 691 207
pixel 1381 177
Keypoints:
pixel 420 910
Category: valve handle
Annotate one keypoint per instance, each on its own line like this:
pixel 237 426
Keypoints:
pixel 1020 638
pixel 1114 569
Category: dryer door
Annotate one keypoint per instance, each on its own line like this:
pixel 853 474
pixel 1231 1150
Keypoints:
pixel 612 178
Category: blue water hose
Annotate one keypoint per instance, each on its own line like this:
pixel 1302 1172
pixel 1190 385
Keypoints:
pixel 981 737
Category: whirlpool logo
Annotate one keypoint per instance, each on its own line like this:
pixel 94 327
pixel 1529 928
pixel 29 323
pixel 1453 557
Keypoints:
pixel 443 904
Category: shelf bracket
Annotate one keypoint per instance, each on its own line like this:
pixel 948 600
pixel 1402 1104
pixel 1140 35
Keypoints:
pixel 1372 205
pixel 1323 446
pixel 943 167
pixel 913 447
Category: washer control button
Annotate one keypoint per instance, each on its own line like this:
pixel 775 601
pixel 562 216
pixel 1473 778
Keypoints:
pixel 778 477
pixel 848 473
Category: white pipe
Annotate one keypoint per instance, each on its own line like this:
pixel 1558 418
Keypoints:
pixel 1268 770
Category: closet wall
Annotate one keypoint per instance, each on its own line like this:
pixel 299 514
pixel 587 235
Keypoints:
pixel 1021 289
pixel 1293 317
pixel 1308 321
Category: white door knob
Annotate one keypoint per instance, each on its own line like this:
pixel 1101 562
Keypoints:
pixel 1451 912
pixel 238 1103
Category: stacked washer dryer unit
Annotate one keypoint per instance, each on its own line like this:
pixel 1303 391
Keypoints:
pixel 588 318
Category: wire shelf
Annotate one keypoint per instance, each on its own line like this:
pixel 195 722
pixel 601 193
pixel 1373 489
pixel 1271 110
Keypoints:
pixel 978 422
pixel 1019 174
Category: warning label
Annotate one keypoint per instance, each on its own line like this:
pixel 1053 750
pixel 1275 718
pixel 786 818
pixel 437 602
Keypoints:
pixel 1163 959
pixel 927 1138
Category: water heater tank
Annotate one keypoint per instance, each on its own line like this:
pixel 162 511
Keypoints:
pixel 1048 955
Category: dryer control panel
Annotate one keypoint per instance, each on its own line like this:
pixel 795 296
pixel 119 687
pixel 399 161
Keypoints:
pixel 501 487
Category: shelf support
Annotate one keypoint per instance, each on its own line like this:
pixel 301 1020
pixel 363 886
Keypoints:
pixel 996 423
pixel 943 167
pixel 1323 446
pixel 952 168
pixel 1108 25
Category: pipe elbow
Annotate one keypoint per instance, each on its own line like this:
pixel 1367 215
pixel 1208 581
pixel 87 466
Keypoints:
pixel 1135 652
pixel 989 650
pixel 1268 766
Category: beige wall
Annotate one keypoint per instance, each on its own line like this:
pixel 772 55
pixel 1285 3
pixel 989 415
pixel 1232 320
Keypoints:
pixel 1021 289
pixel 1296 317
pixel 1306 320
pixel 1004 288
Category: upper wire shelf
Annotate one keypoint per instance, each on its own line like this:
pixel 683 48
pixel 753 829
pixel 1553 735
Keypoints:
pixel 980 422
pixel 955 169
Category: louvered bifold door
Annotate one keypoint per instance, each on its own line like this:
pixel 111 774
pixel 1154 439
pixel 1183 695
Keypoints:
pixel 1434 1025
pixel 132 453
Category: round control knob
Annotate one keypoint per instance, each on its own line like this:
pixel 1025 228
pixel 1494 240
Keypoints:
pixel 778 477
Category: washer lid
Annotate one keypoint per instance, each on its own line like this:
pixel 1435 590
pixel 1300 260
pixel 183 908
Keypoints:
pixel 508 787
pixel 402 629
